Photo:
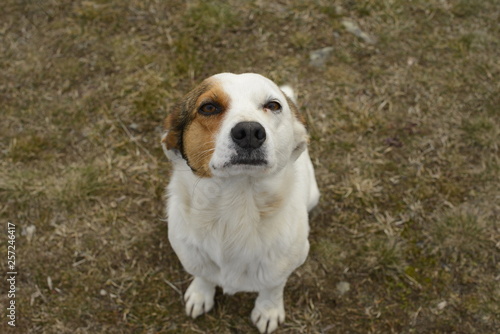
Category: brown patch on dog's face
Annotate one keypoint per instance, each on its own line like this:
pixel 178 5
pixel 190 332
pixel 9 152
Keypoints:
pixel 193 125
pixel 180 117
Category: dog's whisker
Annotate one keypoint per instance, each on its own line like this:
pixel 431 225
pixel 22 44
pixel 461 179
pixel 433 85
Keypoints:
pixel 203 153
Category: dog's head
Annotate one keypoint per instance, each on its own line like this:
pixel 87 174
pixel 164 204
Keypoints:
pixel 235 125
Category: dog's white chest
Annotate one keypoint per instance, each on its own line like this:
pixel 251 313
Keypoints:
pixel 236 236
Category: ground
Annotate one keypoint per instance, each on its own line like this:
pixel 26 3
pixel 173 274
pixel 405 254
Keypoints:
pixel 405 131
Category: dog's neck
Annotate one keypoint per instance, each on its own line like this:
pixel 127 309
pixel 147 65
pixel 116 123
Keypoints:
pixel 260 197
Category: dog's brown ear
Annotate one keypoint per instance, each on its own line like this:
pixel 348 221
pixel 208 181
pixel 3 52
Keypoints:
pixel 299 129
pixel 172 138
pixel 295 111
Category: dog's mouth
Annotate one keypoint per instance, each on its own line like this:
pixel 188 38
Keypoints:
pixel 247 158
pixel 249 162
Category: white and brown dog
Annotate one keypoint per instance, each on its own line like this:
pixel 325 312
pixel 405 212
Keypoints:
pixel 240 192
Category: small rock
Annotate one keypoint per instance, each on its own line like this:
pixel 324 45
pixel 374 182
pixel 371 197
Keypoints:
pixel 343 288
pixel 319 57
pixel 29 232
pixel 354 29
pixel 411 61
pixel 442 305
pixel 135 127
pixel 339 10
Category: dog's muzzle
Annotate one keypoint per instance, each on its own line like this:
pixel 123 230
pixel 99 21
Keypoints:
pixel 249 138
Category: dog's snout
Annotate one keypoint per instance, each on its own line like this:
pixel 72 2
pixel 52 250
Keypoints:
pixel 249 135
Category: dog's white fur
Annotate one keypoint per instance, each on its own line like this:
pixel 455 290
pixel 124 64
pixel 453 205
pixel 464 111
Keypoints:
pixel 245 227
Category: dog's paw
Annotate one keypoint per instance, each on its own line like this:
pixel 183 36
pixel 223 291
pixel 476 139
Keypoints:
pixel 199 297
pixel 267 316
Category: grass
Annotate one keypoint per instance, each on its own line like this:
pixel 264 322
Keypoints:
pixel 404 137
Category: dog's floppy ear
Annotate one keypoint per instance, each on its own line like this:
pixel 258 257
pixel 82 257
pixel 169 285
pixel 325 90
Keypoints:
pixel 171 137
pixel 291 99
pixel 289 93
pixel 171 140
pixel 299 124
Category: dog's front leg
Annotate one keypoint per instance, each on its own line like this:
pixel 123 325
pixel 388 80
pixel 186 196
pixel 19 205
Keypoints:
pixel 269 311
pixel 199 297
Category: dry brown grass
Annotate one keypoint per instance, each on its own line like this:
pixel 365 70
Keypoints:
pixel 404 135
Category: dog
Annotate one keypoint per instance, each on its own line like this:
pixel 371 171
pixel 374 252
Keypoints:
pixel 241 187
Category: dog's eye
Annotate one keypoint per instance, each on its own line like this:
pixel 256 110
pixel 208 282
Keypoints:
pixel 209 109
pixel 273 106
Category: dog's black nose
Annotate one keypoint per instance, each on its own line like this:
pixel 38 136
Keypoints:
pixel 249 135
